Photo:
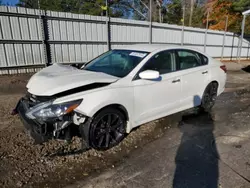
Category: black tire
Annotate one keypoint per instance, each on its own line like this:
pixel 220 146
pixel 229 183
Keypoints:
pixel 209 97
pixel 107 129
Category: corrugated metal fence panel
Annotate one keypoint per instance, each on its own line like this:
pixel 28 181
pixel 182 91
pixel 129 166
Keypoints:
pixel 76 38
pixel 191 37
pixel 214 39
pixel 245 48
pixel 79 38
pixel 128 32
pixel 214 43
pixel 164 33
pixel 17 30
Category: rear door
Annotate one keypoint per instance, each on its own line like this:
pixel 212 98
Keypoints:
pixel 195 75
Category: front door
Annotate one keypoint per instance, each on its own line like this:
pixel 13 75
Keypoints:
pixel 157 98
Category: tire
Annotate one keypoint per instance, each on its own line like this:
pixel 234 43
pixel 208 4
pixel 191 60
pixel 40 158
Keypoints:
pixel 209 97
pixel 107 129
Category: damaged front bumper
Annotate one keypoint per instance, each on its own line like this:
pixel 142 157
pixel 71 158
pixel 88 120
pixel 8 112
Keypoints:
pixel 40 132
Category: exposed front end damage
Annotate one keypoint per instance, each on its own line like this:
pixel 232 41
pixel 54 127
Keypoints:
pixel 41 111
pixel 41 129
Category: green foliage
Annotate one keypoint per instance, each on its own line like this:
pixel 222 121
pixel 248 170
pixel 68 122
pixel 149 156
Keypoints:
pixel 27 3
pixel 91 7
pixel 174 12
pixel 241 5
pixel 198 15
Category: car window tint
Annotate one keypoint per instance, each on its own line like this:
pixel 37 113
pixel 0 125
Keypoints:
pixel 114 59
pixel 205 59
pixel 188 59
pixel 116 62
pixel 162 62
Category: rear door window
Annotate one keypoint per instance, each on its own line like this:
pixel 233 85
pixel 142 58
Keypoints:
pixel 188 59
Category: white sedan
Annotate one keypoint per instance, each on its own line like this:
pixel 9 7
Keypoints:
pixel 118 91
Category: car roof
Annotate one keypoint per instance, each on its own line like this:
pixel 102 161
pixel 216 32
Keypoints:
pixel 153 47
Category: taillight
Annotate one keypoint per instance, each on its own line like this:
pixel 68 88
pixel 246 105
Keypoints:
pixel 224 68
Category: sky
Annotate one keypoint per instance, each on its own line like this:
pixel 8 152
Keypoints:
pixel 10 2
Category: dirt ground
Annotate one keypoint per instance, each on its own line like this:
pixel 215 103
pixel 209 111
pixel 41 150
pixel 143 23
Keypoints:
pixel 56 164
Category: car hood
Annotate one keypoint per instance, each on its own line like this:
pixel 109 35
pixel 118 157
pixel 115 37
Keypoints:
pixel 59 78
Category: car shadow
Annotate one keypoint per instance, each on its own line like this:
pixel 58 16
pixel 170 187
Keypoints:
pixel 246 69
pixel 197 157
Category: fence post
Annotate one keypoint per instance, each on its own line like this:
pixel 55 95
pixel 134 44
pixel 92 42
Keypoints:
pixel 150 22
pixel 108 33
pixel 108 26
pixel 205 40
pixel 232 50
pixel 241 38
pixel 183 25
pixel 224 39
pixel 46 39
pixel 238 47
pixel 248 50
pixel 45 36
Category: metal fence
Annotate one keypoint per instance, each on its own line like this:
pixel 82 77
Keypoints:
pixel 30 39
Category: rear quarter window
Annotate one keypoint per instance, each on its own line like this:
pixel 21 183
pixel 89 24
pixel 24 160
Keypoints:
pixel 204 59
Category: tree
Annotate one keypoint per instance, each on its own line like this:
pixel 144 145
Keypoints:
pixel 241 5
pixel 198 14
pixel 222 8
pixel 27 3
pixel 139 9
pixel 174 12
pixel 91 7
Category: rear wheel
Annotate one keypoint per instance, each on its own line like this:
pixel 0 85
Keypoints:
pixel 209 97
pixel 107 129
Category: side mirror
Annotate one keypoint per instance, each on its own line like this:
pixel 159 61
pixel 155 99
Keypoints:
pixel 149 75
pixel 78 65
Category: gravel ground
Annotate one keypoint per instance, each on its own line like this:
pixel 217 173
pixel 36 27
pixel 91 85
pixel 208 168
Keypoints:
pixel 204 150
pixel 55 163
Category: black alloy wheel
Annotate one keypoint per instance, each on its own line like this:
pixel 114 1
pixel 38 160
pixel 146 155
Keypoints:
pixel 107 129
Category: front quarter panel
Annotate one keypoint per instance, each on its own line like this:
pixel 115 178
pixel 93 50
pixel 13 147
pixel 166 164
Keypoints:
pixel 94 101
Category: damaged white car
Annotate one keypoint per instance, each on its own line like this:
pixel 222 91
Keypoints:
pixel 121 89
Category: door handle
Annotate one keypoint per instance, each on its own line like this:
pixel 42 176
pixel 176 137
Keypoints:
pixel 174 81
pixel 205 72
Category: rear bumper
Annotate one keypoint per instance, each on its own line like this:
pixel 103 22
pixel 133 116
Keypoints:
pixel 39 132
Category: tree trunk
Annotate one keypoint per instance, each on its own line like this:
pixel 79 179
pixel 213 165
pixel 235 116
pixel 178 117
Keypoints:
pixel 191 12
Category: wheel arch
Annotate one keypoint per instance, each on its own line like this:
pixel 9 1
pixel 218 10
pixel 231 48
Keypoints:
pixel 214 82
pixel 122 109
pixel 205 90
pixel 117 106
pixel 211 82
pixel 85 129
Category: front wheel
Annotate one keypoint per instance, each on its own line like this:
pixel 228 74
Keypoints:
pixel 209 97
pixel 107 129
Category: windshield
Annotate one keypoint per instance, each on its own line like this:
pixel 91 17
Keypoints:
pixel 117 63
